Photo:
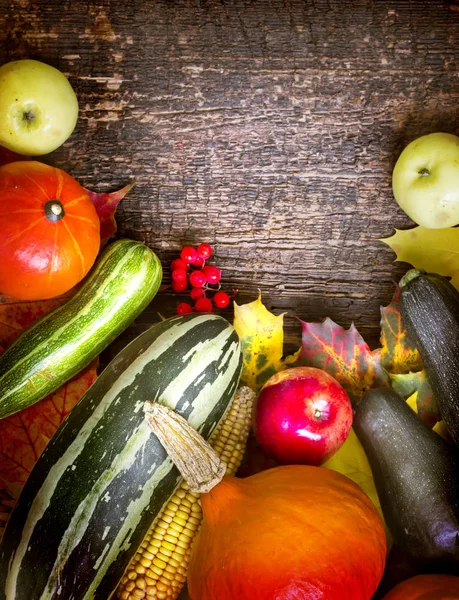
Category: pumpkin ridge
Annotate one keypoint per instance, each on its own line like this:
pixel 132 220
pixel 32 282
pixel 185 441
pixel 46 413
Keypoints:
pixel 35 182
pixel 74 201
pixel 21 211
pixel 54 257
pixel 76 246
pixel 20 233
pixel 80 218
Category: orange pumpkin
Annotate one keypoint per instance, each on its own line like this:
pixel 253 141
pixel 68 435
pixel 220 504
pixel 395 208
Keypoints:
pixel 426 587
pixel 49 231
pixel 293 532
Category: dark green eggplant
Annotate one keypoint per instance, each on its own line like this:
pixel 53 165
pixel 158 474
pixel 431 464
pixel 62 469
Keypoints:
pixel 416 473
pixel 430 312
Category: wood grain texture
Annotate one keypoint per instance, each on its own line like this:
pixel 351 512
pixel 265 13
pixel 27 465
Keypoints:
pixel 267 128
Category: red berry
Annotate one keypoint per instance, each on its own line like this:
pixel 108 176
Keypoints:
pixel 198 262
pixel 179 286
pixel 178 264
pixel 203 305
pixel 221 299
pixel 179 275
pixel 184 308
pixel 197 279
pixel 212 274
pixel 197 292
pixel 188 254
pixel 204 251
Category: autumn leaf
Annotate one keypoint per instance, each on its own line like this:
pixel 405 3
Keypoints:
pixel 442 431
pixel 16 315
pixel 402 360
pixel 412 402
pixel 398 353
pixel 438 427
pixel 24 435
pixel 106 205
pixel 351 460
pixel 431 250
pixel 408 384
pixel 344 354
pixel 262 338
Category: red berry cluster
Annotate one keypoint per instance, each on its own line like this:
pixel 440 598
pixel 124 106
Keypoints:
pixel 191 269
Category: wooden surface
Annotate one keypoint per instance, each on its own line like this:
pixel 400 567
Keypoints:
pixel 267 128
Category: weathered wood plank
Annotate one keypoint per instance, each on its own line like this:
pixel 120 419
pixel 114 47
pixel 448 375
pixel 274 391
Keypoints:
pixel 269 129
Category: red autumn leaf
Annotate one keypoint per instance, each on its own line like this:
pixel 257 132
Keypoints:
pixel 16 315
pixel 406 384
pixel 106 205
pixel 8 156
pixel 344 354
pixel 398 353
pixel 24 435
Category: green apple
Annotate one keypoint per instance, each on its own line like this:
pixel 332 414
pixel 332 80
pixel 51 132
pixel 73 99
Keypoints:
pixel 38 107
pixel 425 180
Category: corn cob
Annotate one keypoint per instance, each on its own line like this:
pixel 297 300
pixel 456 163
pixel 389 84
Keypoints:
pixel 158 570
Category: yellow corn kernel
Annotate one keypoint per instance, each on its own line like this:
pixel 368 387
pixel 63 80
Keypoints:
pixel 159 568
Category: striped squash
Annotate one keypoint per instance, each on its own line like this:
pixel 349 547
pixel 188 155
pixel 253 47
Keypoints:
pixel 123 281
pixel 103 478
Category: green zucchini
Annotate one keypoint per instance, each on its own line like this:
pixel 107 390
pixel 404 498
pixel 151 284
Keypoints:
pixel 416 473
pixel 123 281
pixel 103 478
pixel 430 311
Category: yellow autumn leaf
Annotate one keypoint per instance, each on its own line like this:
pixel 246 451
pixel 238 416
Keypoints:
pixel 412 402
pixel 439 427
pixel 351 460
pixel 262 339
pixel 432 250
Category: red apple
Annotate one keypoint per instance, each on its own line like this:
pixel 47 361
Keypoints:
pixel 302 416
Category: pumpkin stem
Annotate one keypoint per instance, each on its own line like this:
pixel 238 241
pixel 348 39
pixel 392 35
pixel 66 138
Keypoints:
pixel 197 461
pixel 54 210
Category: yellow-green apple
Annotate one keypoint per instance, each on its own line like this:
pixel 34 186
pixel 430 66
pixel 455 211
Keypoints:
pixel 38 107
pixel 425 180
pixel 302 416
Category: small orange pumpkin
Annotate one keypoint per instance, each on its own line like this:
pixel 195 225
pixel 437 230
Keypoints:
pixel 426 587
pixel 293 532
pixel 49 231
